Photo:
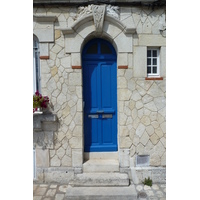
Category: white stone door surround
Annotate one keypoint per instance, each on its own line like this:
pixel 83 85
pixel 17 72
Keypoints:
pixel 111 29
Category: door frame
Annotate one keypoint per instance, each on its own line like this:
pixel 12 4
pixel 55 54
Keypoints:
pixel 100 58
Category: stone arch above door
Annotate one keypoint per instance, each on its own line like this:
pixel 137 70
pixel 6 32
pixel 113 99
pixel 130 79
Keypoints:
pixel 85 28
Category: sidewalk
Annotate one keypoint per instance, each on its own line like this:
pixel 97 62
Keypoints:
pixel 57 192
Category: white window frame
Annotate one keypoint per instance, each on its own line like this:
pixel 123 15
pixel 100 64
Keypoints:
pixel 36 64
pixel 158 62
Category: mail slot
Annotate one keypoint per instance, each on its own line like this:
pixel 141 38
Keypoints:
pixel 93 116
pixel 107 116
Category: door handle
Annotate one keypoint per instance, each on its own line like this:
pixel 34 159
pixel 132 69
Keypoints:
pixel 100 111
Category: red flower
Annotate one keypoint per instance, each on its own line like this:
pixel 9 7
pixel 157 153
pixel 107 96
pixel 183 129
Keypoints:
pixel 37 93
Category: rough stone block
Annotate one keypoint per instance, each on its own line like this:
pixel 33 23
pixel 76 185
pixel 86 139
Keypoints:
pixel 144 139
pixel 139 66
pixel 76 142
pixel 154 139
pixel 124 43
pixel 140 130
pixel 157 174
pixel 66 161
pixel 122 83
pixel 55 161
pixel 151 40
pixel 124 157
pixel 111 30
pixel 45 34
pixel 42 157
pixel 43 139
pixel 77 157
pixel 128 21
pixel 59 175
pixel 57 34
pixel 122 59
pixel 73 43
pixel 66 62
pixel 155 91
pixel 146 27
pixel 49 126
pixel 75 79
pixel 124 94
pixel 44 49
pixel 100 179
pixel 101 165
pixel 86 29
pixel 163 61
pixel 125 142
pixel 76 59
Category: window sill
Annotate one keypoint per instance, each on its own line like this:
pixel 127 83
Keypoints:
pixel 154 78
pixel 38 112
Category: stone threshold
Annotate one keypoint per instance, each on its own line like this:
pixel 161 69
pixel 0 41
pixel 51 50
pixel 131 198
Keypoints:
pixel 101 155
pixel 101 193
pixel 101 165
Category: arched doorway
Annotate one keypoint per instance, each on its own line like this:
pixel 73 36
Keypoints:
pixel 100 96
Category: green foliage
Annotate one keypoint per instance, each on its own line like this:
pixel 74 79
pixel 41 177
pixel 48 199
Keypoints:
pixel 147 182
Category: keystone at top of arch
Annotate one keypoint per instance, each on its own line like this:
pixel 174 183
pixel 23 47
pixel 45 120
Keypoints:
pixel 99 14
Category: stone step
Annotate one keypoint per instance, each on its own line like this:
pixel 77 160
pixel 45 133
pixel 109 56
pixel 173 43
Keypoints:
pixel 101 193
pixel 101 155
pixel 101 165
pixel 100 179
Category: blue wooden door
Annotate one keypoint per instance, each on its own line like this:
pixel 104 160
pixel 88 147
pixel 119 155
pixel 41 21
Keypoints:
pixel 99 96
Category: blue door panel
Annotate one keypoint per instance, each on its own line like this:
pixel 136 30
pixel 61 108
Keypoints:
pixel 107 127
pixel 91 86
pixel 100 99
pixel 106 86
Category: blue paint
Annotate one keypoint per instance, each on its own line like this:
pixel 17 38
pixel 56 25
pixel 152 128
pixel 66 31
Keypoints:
pixel 100 96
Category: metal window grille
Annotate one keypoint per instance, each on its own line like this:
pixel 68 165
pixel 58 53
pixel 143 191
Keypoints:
pixel 142 160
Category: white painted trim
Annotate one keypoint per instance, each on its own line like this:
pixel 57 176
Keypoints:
pixel 158 62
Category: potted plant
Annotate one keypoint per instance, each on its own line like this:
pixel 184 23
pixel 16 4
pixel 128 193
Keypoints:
pixel 39 102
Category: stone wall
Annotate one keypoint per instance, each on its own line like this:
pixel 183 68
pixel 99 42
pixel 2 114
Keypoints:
pixel 141 103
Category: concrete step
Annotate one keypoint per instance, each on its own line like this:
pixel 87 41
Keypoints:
pixel 101 165
pixel 101 193
pixel 100 179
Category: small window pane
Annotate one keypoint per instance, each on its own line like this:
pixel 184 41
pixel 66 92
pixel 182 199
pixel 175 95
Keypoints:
pixel 148 61
pixel 92 49
pixel 148 53
pixel 105 49
pixel 155 61
pixel 148 70
pixel 154 70
pixel 154 53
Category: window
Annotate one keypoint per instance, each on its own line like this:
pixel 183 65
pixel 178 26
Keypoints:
pixel 93 49
pixel 153 62
pixel 105 49
pixel 36 65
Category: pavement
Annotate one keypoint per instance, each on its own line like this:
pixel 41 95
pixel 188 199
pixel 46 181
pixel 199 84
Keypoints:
pixel 57 192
